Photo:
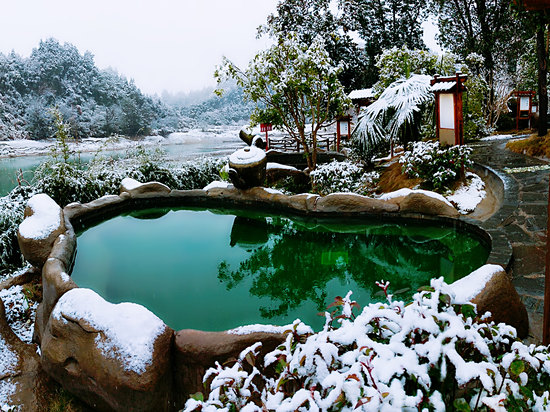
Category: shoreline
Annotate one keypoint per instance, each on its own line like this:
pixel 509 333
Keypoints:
pixel 10 149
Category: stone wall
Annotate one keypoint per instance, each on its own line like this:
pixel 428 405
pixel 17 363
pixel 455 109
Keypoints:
pixel 85 355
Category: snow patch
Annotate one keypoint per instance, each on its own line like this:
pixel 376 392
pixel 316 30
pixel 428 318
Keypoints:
pixel 45 219
pixel 130 184
pixel 128 330
pixel 467 197
pixel 468 287
pixel 20 312
pixel 8 361
pixel 273 165
pixel 247 155
pixel 217 184
pixel 7 389
pixel 302 328
pixel 273 191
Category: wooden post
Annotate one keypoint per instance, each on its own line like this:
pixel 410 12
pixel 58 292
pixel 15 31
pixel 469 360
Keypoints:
pixel 546 320
pixel 338 135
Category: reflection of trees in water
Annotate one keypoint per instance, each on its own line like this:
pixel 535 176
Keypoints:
pixel 289 266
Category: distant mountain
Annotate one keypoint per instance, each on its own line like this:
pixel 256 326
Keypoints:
pixel 230 109
pixel 96 102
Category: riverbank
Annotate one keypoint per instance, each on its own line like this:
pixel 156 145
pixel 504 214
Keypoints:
pixel 217 134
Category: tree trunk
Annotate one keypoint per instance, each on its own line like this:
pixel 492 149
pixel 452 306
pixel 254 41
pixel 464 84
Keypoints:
pixel 542 74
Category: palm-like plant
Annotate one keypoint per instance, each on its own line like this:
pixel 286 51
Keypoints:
pixel 393 113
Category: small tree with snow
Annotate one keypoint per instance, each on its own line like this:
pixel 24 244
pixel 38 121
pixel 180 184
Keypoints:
pixel 395 115
pixel 295 86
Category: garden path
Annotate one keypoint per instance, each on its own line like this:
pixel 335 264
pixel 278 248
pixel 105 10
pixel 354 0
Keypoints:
pixel 523 218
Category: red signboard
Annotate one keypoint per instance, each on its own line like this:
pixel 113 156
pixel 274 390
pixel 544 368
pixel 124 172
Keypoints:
pixel 265 127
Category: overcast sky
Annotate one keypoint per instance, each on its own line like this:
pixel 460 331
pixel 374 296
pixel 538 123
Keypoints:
pixel 162 44
pixel 168 45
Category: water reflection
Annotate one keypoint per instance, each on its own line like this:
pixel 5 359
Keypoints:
pixel 290 263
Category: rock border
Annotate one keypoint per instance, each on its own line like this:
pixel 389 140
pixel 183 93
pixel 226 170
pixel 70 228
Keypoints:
pixel 185 355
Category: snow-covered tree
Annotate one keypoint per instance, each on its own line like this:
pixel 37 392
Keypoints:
pixel 492 31
pixel 309 19
pixel 394 114
pixel 58 75
pixel 383 25
pixel 295 86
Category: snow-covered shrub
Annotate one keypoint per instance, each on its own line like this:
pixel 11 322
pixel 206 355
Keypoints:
pixel 431 354
pixel 12 207
pixel 75 182
pixel 198 173
pixel 394 116
pixel 67 182
pixel 342 177
pixel 438 166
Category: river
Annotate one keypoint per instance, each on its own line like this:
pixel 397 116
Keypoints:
pixel 178 147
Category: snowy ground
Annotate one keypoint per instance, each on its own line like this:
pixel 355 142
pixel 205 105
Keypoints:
pixel 503 137
pixel 20 312
pixel 467 197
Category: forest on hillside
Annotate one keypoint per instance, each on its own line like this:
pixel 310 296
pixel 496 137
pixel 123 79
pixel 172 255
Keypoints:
pixel 94 102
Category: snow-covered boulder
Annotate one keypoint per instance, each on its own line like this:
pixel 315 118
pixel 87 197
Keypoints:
pixel 42 224
pixel 491 289
pixel 135 188
pixel 421 201
pixel 353 203
pixel 55 283
pixel 115 357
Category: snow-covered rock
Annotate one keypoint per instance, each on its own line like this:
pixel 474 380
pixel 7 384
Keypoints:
pixel 421 201
pixel 42 225
pixel 114 356
pixel 490 288
pixel 135 188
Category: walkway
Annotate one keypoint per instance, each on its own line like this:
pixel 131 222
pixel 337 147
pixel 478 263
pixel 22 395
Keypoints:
pixel 522 218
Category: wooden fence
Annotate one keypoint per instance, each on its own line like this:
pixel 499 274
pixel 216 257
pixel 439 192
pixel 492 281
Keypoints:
pixel 325 141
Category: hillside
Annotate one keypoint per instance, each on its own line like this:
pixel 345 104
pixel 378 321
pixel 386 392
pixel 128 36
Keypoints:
pixel 93 102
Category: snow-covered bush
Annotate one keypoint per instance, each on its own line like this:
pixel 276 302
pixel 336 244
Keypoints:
pixel 67 182
pixel 342 177
pixel 12 207
pixel 438 166
pixel 432 354
pixel 74 182
pixel 395 116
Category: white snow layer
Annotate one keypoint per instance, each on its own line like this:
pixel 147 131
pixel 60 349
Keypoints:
pixel 468 287
pixel 301 328
pixel 128 331
pixel 8 361
pixel 466 198
pixel 273 165
pixel 217 184
pixel 7 388
pixel 247 155
pixel 405 192
pixel 45 219
pixel 273 191
pixel 130 183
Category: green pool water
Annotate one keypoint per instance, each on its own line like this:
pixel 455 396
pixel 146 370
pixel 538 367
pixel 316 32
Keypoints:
pixel 214 270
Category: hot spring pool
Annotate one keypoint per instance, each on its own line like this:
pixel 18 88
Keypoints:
pixel 216 270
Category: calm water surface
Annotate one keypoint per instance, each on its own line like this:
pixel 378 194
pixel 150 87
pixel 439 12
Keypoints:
pixel 214 270
pixel 191 149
